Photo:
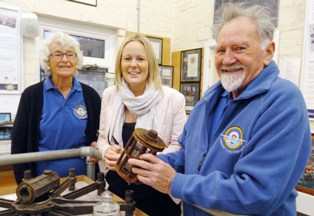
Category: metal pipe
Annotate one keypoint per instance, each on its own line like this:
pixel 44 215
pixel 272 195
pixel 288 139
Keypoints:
pixel 90 170
pixel 49 155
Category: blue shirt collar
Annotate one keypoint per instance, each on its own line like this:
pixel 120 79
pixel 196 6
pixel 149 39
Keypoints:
pixel 49 86
pixel 262 82
pixel 225 94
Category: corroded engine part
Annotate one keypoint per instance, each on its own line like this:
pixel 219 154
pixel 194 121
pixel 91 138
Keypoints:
pixel 142 141
pixel 30 189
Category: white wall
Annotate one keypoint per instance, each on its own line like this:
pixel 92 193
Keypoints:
pixel 193 21
pixel 155 17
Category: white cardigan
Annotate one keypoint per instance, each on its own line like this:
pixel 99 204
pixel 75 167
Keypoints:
pixel 171 118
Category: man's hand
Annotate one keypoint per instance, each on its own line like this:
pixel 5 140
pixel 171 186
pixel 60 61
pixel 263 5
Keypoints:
pixel 153 171
pixel 111 156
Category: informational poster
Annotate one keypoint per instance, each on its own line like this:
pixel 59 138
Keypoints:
pixel 10 64
pixel 307 84
pixel 290 69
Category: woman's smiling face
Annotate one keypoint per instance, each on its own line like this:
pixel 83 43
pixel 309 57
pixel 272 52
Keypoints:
pixel 134 66
pixel 63 67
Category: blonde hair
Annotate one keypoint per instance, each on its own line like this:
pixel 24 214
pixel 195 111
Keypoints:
pixel 153 69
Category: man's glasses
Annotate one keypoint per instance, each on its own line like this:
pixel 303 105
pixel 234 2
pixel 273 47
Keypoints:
pixel 57 56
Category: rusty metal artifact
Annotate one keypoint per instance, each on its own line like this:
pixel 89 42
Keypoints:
pixel 142 141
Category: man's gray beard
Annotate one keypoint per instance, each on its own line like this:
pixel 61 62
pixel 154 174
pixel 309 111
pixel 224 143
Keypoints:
pixel 232 81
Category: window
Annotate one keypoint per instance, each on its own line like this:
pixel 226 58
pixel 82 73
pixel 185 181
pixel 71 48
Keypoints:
pixel 91 47
pixel 97 44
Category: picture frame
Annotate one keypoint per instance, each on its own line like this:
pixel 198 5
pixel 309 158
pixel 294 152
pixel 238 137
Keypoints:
pixel 191 92
pixel 306 182
pixel 5 133
pixel 166 75
pixel 87 2
pixel 5 126
pixel 157 44
pixel 272 5
pixel 191 65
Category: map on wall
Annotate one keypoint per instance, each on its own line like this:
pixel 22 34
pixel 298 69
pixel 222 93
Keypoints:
pixel 272 5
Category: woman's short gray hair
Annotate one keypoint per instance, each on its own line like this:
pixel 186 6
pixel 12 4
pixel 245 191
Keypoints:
pixel 64 40
pixel 259 14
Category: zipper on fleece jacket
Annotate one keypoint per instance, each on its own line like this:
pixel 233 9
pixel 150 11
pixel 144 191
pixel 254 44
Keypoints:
pixel 201 162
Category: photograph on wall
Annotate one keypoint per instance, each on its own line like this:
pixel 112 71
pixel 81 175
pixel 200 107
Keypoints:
pixel 5 126
pixel 272 6
pixel 191 92
pixel 166 75
pixel 191 65
pixel 87 2
pixel 157 47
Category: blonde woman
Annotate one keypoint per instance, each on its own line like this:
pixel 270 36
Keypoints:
pixel 138 100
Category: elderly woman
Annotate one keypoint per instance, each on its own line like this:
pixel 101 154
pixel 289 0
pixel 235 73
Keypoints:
pixel 57 113
pixel 138 100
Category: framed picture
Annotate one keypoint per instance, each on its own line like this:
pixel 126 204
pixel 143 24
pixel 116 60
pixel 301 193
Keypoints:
pixel 306 182
pixel 157 46
pixel 166 75
pixel 272 5
pixel 5 126
pixel 191 65
pixel 191 92
pixel 87 2
pixel 5 133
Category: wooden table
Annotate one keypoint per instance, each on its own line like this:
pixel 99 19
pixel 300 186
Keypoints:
pixel 9 190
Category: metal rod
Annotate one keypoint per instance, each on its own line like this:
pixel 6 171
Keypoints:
pixel 49 155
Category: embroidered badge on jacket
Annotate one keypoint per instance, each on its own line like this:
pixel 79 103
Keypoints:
pixel 233 138
pixel 80 111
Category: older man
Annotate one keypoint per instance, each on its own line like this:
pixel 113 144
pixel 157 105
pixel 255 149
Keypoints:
pixel 247 141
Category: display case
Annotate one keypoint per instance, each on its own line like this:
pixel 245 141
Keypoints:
pixel 91 75
pixel 191 92
pixel 95 78
pixel 5 126
pixel 306 182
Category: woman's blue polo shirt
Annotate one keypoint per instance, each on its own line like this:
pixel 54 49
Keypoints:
pixel 62 126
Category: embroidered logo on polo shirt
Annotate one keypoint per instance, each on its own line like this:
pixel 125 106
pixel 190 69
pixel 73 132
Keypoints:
pixel 80 111
pixel 233 139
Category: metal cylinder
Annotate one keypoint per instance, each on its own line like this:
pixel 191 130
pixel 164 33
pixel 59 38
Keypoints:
pixel 90 172
pixel 49 155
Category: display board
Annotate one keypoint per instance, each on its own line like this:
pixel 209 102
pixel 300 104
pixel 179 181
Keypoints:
pixel 10 50
pixel 307 84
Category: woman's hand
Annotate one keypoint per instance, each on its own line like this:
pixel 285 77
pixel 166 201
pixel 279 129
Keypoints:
pixel 111 156
pixel 92 159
